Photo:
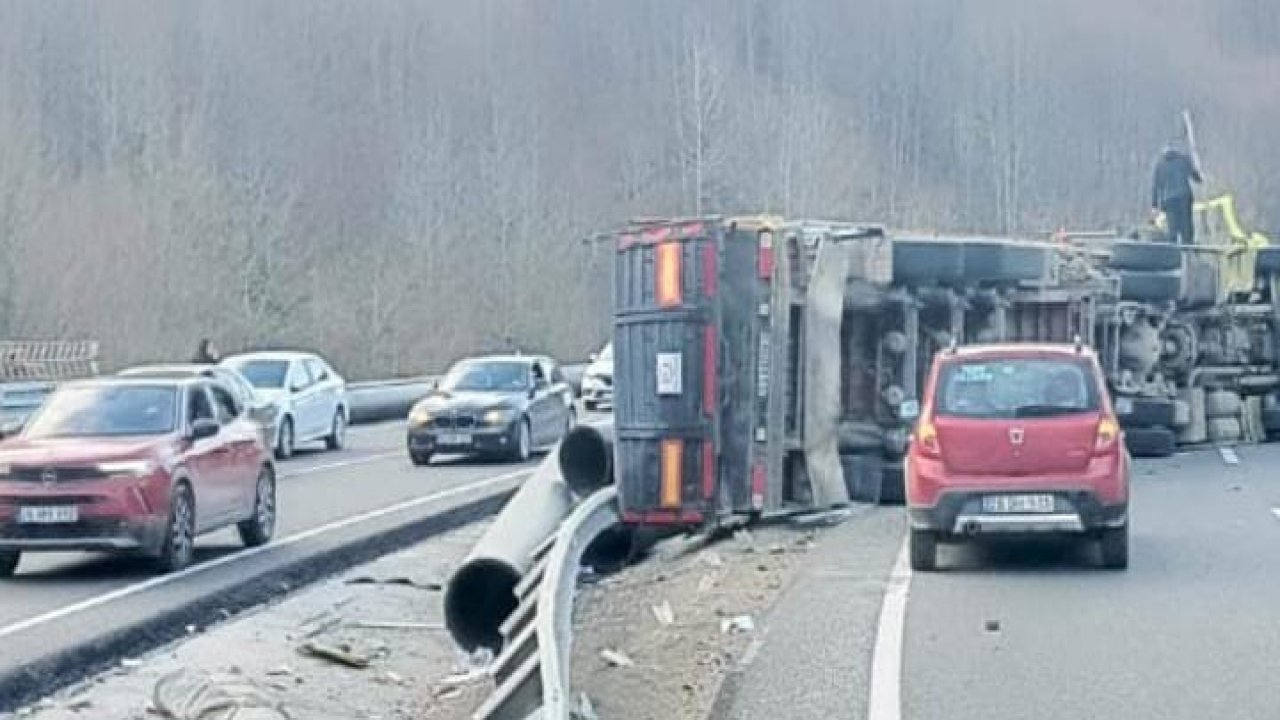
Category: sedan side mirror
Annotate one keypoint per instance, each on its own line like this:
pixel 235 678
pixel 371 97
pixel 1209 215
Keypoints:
pixel 204 428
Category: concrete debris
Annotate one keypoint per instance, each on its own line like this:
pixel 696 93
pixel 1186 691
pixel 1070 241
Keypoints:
pixel 394 677
pixel 664 613
pixel 189 695
pixel 706 583
pixel 338 655
pixel 712 559
pixel 616 659
pixel 738 624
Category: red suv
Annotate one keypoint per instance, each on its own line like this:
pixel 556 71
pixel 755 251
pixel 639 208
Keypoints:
pixel 1014 441
pixel 134 465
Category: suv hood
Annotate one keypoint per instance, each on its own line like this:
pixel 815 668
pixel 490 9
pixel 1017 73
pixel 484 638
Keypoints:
pixel 77 450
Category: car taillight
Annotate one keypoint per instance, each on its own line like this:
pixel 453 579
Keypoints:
pixel 926 439
pixel 1107 437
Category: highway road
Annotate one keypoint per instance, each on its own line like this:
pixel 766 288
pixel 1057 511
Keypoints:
pixel 1188 632
pixel 325 499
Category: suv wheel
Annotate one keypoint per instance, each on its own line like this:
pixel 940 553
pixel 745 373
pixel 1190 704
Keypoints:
pixel 338 434
pixel 524 442
pixel 180 535
pixel 1114 544
pixel 924 550
pixel 9 560
pixel 285 441
pixel 258 529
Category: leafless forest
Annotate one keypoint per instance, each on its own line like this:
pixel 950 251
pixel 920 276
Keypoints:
pixel 395 183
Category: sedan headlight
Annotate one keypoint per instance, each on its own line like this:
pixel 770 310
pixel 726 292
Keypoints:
pixel 419 416
pixel 497 416
pixel 127 467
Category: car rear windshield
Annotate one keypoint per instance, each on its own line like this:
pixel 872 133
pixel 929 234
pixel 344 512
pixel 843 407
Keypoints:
pixel 487 376
pixel 107 410
pixel 1015 388
pixel 267 374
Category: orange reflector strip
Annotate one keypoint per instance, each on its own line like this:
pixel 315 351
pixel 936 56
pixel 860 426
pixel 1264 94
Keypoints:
pixel 668 274
pixel 672 457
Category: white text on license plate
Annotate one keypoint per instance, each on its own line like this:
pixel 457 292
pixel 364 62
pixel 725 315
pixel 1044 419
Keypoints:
pixel 1017 504
pixel 48 514
pixel 455 439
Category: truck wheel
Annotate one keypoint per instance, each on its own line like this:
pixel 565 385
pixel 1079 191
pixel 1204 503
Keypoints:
pixel 856 437
pixel 1150 442
pixel 924 550
pixel 1221 404
pixel 1268 261
pixel 1147 256
pixel 1146 412
pixel 1150 286
pixel 1224 429
pixel 1114 545
pixel 893 489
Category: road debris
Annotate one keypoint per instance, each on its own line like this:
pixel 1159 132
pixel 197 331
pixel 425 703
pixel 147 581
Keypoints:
pixel 1229 456
pixel 394 625
pixel 738 624
pixel 664 613
pixel 616 658
pixel 992 626
pixel 280 671
pixel 712 559
pixel 191 695
pixel 398 580
pixel 339 655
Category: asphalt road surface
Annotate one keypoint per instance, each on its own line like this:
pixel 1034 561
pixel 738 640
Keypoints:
pixel 1188 632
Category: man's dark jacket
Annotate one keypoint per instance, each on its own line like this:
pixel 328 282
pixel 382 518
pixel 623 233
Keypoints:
pixel 1174 173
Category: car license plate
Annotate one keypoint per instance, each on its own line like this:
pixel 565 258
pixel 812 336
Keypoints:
pixel 1017 504
pixel 48 514
pixel 455 439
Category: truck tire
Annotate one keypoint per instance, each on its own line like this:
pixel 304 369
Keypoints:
pixel 1221 404
pixel 862 476
pixel 858 437
pixel 918 261
pixel 1224 429
pixel 893 489
pixel 1268 261
pixel 1156 287
pixel 1145 256
pixel 1151 442
pixel 1145 412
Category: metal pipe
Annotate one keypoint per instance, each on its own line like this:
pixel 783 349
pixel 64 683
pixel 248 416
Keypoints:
pixel 481 593
pixel 586 459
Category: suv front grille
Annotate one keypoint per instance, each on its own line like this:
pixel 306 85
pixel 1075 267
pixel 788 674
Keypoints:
pixel 55 474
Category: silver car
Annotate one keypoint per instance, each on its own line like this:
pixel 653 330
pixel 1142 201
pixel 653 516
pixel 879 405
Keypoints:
pixel 264 411
pixel 312 396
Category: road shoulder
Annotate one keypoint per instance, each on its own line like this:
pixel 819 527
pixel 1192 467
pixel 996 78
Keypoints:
pixel 814 656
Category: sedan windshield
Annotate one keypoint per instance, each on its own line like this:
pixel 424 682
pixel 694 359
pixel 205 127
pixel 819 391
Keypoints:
pixel 487 376
pixel 100 411
pixel 266 374
pixel 1016 388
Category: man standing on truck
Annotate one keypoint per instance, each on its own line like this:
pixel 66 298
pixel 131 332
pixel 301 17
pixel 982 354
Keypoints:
pixel 1171 193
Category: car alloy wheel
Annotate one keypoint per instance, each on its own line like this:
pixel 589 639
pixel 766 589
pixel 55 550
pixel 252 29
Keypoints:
pixel 179 541
pixel 338 434
pixel 258 529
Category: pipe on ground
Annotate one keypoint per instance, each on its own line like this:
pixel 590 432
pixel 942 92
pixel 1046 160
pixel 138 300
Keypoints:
pixel 481 593
pixel 586 459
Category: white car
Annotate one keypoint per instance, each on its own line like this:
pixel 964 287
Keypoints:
pixel 311 395
pixel 597 381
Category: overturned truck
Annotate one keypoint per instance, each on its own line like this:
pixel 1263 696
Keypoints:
pixel 762 365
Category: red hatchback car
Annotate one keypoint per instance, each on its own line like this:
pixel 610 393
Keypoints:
pixel 1014 441
pixel 137 466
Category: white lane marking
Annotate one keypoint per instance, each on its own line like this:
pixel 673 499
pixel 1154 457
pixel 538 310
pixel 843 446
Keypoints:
pixel 1229 456
pixel 885 697
pixel 339 464
pixel 252 552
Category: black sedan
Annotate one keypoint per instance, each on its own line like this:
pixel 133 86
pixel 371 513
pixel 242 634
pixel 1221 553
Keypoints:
pixel 499 406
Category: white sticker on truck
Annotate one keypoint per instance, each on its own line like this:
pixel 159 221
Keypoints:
pixel 670 374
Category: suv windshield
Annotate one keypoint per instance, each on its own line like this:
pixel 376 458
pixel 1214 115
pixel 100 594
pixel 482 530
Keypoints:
pixel 264 373
pixel 487 376
pixel 110 410
pixel 1015 388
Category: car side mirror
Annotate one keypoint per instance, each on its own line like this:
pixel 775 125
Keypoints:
pixel 909 410
pixel 203 428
